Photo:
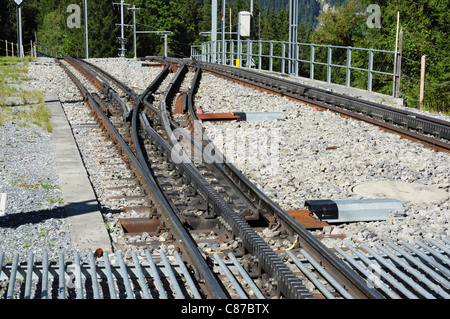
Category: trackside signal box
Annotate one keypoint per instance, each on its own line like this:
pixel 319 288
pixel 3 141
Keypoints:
pixel 245 27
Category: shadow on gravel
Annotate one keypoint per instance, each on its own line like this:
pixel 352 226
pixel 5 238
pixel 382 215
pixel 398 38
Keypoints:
pixel 38 216
pixel 33 217
pixel 66 101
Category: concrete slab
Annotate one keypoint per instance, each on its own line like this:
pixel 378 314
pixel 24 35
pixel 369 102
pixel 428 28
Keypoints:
pixel 87 228
pixel 259 116
pixel 407 192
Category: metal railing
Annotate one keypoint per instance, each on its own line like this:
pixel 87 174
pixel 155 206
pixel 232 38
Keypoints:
pixel 274 56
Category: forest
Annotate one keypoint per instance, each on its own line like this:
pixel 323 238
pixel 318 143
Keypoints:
pixel 424 24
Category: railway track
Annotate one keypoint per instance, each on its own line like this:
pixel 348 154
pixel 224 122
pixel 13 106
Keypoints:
pixel 429 131
pixel 190 198
pixel 219 200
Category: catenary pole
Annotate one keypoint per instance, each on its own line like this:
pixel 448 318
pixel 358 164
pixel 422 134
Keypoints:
pixel 19 27
pixel 86 33
pixel 214 29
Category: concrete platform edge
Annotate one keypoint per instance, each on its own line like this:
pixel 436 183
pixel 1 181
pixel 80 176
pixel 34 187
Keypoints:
pixel 87 228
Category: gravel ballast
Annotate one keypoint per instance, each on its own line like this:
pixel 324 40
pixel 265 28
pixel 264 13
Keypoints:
pixel 320 155
pixel 315 155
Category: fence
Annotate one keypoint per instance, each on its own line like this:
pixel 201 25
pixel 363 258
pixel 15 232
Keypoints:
pixel 33 49
pixel 12 49
pixel 261 54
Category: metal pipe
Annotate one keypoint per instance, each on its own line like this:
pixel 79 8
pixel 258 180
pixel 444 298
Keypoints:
pixel 19 26
pixel 223 33
pixel 171 274
pixel 247 278
pixel 78 278
pixel 310 276
pixel 214 30
pixel 86 36
pixel 62 286
pixel 124 273
pixel 396 271
pixel 12 278
pixel 421 265
pixel 134 31
pixel 93 272
pixel 112 289
pixel 230 276
pixel 427 258
pixel 400 287
pixel 156 278
pixel 142 281
pixel 44 289
pixel 29 280
pixel 188 277
pixel 326 275
pixel 413 272
pixel 435 253
pixel 440 246
pixel 446 240
pixel 366 273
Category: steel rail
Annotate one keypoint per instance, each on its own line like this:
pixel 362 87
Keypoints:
pixel 334 265
pixel 409 125
pixel 290 286
pixel 92 72
pixel 213 287
pixel 347 277
pixel 240 226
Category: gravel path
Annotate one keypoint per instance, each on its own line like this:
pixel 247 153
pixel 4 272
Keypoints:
pixel 34 218
pixel 317 155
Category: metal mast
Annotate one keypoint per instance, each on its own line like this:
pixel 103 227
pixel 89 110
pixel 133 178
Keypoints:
pixel 293 27
pixel 122 40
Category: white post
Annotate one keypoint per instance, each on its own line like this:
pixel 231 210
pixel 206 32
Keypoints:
pixel 250 46
pixel 395 56
pixel 122 32
pixel 19 25
pixel 86 36
pixel 223 32
pixel 231 41
pixel 134 30
pixel 165 44
pixel 214 29
pixel 422 82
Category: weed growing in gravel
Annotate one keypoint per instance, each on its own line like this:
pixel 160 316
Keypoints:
pixel 17 104
pixel 23 182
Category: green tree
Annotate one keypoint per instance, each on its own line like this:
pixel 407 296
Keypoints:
pixel 425 32
pixel 341 27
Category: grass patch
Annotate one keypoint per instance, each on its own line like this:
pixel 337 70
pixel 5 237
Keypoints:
pixel 18 104
pixel 24 183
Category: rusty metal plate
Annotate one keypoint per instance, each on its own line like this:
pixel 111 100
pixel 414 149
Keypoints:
pixel 304 218
pixel 217 116
pixel 180 103
pixel 133 226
